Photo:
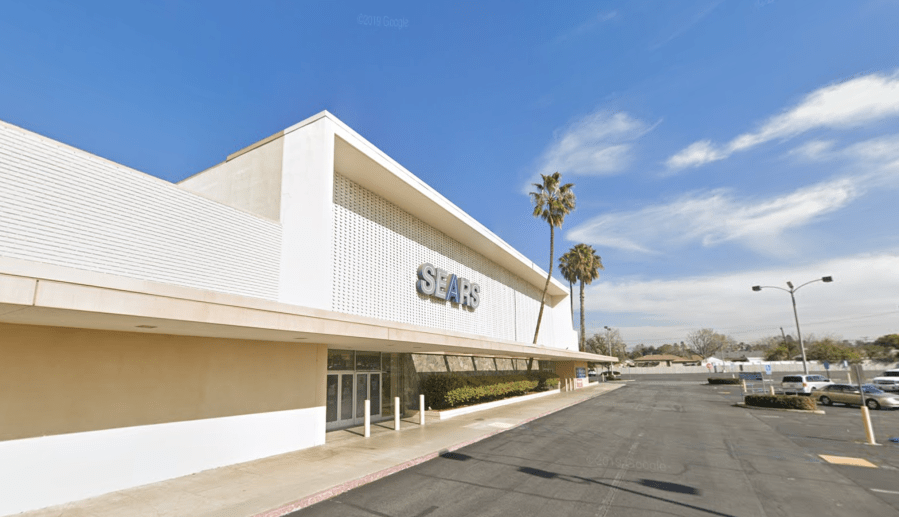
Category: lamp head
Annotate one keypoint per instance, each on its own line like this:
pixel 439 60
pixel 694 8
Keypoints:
pixel 756 288
pixel 827 279
pixel 789 284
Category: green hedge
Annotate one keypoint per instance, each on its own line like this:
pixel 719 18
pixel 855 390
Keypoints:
pixel 448 391
pixel 781 401
pixel 724 380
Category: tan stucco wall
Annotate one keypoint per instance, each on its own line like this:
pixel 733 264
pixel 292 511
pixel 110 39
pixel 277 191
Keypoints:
pixel 568 369
pixel 60 380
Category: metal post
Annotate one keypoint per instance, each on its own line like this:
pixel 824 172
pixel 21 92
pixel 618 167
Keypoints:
pixel 396 413
pixel 421 409
pixel 367 418
pixel 799 333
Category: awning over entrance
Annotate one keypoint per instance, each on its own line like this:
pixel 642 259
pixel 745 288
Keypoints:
pixel 33 293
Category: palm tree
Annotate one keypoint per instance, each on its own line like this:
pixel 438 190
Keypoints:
pixel 551 203
pixel 584 265
pixel 567 266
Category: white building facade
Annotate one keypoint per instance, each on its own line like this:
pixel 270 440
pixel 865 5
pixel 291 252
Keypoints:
pixel 150 330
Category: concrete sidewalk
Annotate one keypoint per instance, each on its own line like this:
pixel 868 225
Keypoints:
pixel 275 486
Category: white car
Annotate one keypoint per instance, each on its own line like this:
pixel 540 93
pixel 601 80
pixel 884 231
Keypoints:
pixel 889 381
pixel 804 384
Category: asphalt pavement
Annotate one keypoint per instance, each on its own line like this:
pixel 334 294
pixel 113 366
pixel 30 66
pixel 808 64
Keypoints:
pixel 656 447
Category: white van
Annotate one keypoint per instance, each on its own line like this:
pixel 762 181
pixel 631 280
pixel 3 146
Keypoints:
pixel 803 384
pixel 889 381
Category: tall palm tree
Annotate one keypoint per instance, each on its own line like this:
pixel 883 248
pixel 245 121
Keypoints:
pixel 584 264
pixel 552 203
pixel 567 265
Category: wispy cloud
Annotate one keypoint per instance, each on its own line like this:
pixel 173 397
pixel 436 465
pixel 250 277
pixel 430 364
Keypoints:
pixel 864 285
pixel 814 150
pixel 588 25
pixel 714 217
pixel 597 144
pixel 845 105
pixel 682 29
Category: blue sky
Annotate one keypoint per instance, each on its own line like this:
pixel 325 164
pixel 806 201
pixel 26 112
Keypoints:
pixel 713 145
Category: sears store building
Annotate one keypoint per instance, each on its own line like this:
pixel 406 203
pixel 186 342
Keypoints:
pixel 151 330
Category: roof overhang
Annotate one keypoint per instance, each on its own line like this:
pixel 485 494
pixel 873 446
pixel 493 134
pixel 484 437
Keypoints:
pixel 360 161
pixel 34 293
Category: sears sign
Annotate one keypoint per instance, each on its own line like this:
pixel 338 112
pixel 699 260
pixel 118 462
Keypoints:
pixel 438 283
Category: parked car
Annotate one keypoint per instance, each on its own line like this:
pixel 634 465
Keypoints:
pixel 848 394
pixel 804 384
pixel 888 381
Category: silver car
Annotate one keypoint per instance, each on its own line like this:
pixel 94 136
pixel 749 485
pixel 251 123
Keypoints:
pixel 849 395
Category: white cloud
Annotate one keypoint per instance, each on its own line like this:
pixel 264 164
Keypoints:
pixel 814 150
pixel 714 217
pixel 598 144
pixel 845 105
pixel 860 302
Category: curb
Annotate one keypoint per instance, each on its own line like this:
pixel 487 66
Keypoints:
pixel 815 411
pixel 364 480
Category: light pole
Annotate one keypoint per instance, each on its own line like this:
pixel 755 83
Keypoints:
pixel 792 290
pixel 609 339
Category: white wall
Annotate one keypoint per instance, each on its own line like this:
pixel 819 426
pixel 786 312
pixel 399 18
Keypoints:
pixel 50 470
pixel 63 206
pixel 377 249
pixel 306 198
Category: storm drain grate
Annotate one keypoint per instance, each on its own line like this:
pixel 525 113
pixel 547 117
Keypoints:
pixel 845 460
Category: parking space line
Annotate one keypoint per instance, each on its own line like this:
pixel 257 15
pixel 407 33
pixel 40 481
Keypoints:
pixel 884 491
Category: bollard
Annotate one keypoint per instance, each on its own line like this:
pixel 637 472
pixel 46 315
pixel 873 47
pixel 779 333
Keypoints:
pixel 367 418
pixel 396 413
pixel 772 389
pixel 744 385
pixel 421 409
pixel 869 429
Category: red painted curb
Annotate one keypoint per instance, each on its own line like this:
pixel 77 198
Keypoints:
pixel 364 480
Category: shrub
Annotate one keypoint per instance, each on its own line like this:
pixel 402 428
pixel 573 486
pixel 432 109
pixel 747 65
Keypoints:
pixel 447 391
pixel 781 401
pixel 724 380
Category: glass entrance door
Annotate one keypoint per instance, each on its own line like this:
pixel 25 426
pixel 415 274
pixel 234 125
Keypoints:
pixel 346 395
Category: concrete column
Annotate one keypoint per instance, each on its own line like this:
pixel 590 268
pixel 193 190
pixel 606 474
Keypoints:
pixel 367 418
pixel 421 410
pixel 396 413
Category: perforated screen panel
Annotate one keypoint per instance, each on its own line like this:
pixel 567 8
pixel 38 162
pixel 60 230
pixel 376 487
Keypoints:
pixel 378 248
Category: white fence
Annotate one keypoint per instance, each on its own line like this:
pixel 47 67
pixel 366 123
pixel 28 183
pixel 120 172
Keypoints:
pixel 871 367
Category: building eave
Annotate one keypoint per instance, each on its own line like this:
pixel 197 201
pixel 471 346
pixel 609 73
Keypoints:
pixel 34 293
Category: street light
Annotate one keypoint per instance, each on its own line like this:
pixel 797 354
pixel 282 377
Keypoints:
pixel 792 290
pixel 609 339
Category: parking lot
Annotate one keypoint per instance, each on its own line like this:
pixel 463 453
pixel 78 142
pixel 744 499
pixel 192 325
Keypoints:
pixel 669 446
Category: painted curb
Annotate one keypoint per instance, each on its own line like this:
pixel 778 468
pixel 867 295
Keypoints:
pixel 364 480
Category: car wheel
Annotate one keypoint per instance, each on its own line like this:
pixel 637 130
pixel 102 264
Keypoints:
pixel 826 400
pixel 872 404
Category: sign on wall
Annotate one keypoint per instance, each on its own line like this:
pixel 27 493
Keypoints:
pixel 436 282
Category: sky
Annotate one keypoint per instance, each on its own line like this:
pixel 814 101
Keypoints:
pixel 713 145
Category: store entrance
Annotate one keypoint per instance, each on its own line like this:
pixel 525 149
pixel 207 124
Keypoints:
pixel 347 392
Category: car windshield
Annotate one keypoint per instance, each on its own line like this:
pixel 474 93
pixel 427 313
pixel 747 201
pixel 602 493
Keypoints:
pixel 870 388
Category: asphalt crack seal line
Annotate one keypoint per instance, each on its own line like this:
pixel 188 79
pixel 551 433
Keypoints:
pixel 364 480
pixel 607 502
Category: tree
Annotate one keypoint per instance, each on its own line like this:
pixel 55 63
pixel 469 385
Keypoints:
pixel 705 342
pixel 830 350
pixel 601 343
pixel 552 203
pixel 888 341
pixel 581 264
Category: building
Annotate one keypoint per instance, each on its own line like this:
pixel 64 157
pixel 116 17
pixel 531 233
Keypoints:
pixel 150 330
